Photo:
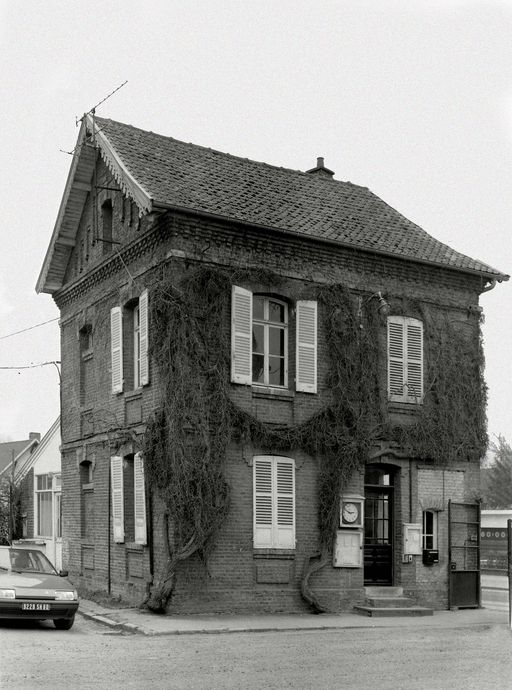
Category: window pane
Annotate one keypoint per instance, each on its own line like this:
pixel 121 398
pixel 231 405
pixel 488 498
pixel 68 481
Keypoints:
pixel 258 362
pixel 44 514
pixel 276 341
pixel 42 482
pixel 258 308
pixel 276 371
pixel 276 312
pixel 258 339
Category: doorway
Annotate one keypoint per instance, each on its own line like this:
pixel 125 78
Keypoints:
pixel 378 525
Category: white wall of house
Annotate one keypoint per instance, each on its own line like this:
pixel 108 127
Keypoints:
pixel 46 464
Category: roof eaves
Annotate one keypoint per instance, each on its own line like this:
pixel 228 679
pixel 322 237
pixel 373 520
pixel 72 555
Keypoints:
pixel 42 285
pixel 492 274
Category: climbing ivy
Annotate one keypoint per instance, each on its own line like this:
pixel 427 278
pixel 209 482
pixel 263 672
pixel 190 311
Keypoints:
pixel 187 438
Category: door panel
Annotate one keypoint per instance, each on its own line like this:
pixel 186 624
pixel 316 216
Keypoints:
pixel 378 528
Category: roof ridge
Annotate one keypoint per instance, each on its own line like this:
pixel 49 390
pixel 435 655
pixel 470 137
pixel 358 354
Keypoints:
pixel 233 156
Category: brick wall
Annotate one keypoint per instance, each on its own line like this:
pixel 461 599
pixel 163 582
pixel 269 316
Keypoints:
pixel 96 424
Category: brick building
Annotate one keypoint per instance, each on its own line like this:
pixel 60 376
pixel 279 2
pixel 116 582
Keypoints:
pixel 342 321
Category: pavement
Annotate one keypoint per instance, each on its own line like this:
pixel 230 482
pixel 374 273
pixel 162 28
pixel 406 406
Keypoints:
pixel 134 620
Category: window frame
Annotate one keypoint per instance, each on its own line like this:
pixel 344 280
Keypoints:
pixel 430 534
pixel 304 329
pixel 267 325
pixel 51 490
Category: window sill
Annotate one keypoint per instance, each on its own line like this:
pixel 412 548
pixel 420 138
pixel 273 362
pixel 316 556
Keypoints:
pixel 134 546
pixel 133 395
pixel 270 393
pixel 270 554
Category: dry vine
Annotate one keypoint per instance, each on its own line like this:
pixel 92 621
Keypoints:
pixel 186 441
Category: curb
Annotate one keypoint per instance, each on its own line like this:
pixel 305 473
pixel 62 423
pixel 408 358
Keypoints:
pixel 126 627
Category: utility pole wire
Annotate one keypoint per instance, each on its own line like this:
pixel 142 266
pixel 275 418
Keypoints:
pixel 24 330
pixel 34 366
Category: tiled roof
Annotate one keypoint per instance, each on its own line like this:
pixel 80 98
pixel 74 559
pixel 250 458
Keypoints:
pixel 187 176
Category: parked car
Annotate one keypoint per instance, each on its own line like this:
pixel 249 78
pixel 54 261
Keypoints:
pixel 31 588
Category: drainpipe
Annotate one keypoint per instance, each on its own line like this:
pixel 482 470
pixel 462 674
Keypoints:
pixel 109 579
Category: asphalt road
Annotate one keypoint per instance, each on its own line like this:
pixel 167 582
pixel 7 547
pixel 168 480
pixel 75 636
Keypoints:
pixel 409 657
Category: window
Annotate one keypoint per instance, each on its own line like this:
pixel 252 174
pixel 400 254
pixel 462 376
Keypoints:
pixel 405 359
pixel 47 504
pixel 269 341
pixel 87 498
pixel 129 336
pixel 429 529
pixel 106 226
pixel 128 498
pixel 259 341
pixel 274 502
pixel 87 379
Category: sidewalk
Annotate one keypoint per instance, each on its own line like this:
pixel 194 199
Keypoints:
pixel 146 623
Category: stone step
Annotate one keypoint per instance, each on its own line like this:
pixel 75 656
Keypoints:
pixel 393 612
pixel 389 602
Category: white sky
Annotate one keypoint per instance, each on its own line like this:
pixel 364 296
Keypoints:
pixel 412 99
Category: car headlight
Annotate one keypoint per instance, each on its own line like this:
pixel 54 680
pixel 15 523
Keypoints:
pixel 66 595
pixel 7 594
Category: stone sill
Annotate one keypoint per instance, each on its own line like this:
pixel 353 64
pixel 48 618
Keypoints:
pixel 270 393
pixel 270 554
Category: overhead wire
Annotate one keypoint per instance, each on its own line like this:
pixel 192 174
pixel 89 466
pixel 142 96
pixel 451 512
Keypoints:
pixel 29 328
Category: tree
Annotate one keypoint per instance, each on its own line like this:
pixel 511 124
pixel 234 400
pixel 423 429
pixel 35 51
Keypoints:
pixel 497 477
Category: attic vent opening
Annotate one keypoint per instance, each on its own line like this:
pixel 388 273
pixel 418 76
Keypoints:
pixel 320 170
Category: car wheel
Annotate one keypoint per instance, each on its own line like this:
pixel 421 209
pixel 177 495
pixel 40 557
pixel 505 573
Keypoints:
pixel 64 623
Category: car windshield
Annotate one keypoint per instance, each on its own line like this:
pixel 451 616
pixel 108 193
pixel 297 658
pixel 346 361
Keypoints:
pixel 25 561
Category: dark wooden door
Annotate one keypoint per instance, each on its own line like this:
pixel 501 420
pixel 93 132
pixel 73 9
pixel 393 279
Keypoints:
pixel 378 528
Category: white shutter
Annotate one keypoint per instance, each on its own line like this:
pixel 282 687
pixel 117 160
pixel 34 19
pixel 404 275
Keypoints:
pixel 263 502
pixel 274 502
pixel 116 348
pixel 414 380
pixel 143 338
pixel 306 378
pixel 405 359
pixel 396 362
pixel 117 490
pixel 139 499
pixel 285 503
pixel 241 335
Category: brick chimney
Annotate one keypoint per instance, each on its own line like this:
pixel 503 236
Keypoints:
pixel 34 436
pixel 321 170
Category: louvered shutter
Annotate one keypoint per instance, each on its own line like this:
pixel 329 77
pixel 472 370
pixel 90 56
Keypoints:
pixel 285 504
pixel 274 502
pixel 263 502
pixel 116 348
pixel 117 490
pixel 396 361
pixel 241 335
pixel 139 499
pixel 306 376
pixel 405 359
pixel 143 338
pixel 414 375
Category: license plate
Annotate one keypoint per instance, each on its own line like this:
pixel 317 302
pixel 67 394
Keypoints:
pixel 35 607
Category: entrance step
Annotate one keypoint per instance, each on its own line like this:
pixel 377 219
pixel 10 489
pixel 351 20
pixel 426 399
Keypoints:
pixel 389 601
pixel 381 612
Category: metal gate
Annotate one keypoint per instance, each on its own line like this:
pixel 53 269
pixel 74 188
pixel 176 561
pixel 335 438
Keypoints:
pixel 464 554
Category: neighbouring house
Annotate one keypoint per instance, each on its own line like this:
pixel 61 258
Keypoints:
pixel 272 384
pixel 14 455
pixel 37 476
